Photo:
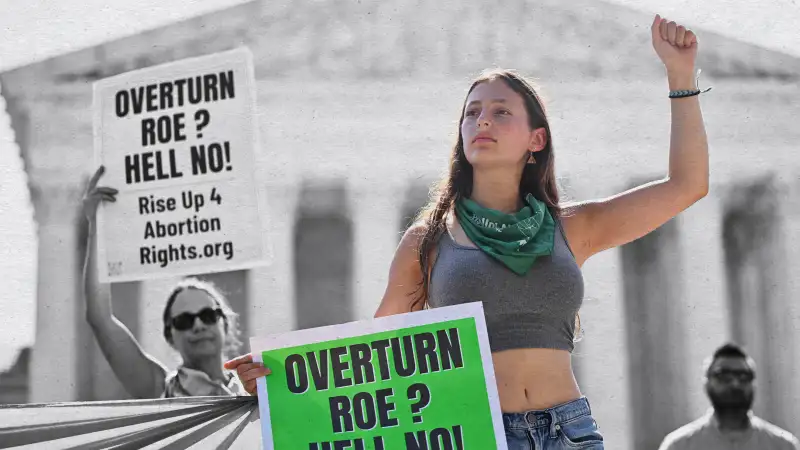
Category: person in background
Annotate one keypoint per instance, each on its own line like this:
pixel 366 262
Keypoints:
pixel 497 233
pixel 730 423
pixel 198 323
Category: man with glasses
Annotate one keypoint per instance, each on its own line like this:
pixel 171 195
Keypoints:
pixel 730 424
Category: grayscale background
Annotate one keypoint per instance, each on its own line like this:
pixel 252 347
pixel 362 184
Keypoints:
pixel 358 106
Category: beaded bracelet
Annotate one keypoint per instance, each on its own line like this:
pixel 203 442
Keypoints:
pixel 689 93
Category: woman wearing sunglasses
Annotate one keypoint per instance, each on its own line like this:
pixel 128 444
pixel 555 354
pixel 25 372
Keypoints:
pixel 198 323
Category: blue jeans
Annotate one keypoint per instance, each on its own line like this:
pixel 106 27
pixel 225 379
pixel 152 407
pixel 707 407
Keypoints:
pixel 565 426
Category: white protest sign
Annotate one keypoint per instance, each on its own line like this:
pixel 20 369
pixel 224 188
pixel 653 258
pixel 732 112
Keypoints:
pixel 178 142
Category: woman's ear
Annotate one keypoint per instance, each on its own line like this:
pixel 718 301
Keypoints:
pixel 538 140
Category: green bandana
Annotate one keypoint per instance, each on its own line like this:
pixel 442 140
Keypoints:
pixel 516 240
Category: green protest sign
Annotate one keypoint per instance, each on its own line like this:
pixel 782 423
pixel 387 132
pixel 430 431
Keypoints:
pixel 417 381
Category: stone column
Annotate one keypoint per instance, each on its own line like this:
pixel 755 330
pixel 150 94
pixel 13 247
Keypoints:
pixel 704 307
pixel 791 224
pixel 653 288
pixel 755 262
pixel 323 261
pixel 376 212
pixel 55 356
pixel 272 294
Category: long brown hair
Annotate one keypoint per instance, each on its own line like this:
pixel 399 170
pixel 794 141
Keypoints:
pixel 538 179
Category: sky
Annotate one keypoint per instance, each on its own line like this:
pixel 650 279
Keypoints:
pixel 770 24
pixel 33 30
pixel 48 28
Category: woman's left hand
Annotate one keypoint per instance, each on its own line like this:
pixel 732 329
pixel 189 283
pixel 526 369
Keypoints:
pixel 248 371
pixel 675 45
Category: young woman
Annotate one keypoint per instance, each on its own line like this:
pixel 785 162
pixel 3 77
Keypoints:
pixel 496 233
pixel 198 323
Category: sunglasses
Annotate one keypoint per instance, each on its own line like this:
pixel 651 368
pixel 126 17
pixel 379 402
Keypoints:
pixel 727 376
pixel 185 321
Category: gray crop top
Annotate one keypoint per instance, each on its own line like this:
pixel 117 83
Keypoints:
pixel 536 310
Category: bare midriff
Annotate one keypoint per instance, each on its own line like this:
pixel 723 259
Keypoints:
pixel 534 379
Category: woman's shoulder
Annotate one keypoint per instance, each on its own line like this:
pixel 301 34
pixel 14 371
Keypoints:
pixel 420 231
pixel 415 231
pixel 414 235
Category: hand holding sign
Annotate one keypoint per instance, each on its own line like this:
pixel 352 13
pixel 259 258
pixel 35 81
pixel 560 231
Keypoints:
pixel 248 371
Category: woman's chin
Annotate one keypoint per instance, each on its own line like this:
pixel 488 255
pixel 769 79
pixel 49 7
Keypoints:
pixel 481 155
pixel 487 159
pixel 203 350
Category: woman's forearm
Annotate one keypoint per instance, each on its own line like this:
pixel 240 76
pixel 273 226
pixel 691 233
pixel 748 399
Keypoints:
pixel 97 296
pixel 688 149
